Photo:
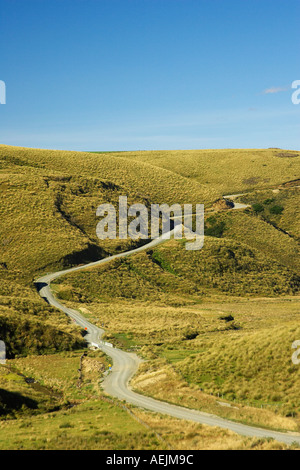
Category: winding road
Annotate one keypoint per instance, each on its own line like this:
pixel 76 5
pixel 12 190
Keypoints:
pixel 125 365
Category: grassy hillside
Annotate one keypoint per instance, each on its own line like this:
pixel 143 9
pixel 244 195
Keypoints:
pixel 48 222
pixel 44 405
pixel 280 208
pixel 48 211
pixel 213 323
pixel 169 272
pixel 140 177
pixel 258 234
pixel 235 348
pixel 227 171
pixel 253 367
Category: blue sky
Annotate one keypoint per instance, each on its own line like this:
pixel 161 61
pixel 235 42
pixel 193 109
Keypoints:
pixel 149 74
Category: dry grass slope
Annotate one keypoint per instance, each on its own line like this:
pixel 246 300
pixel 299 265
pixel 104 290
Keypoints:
pixel 222 319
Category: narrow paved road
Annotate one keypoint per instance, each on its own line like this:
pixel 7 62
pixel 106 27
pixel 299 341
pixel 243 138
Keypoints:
pixel 126 364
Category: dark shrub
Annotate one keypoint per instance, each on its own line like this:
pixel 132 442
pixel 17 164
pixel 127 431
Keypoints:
pixel 276 210
pixel 257 207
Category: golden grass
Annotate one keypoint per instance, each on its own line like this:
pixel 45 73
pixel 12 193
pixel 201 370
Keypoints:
pixel 173 276
pixel 161 381
pixel 227 171
pixel 288 198
pixel 168 303
pixel 258 234
pixel 92 422
pixel 249 367
pixel 194 436
pixel 155 184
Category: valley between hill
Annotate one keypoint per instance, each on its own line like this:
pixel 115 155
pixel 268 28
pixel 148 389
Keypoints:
pixel 214 327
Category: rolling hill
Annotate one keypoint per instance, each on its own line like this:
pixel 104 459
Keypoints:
pixel 221 319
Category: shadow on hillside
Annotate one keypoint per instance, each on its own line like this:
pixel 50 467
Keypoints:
pixel 39 285
pixel 88 255
pixel 12 401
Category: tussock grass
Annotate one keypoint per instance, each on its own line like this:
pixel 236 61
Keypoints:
pixel 200 437
pixel 222 266
pixel 287 199
pixel 252 367
pixel 259 235
pixel 168 303
pixel 162 381
pixel 84 419
pixel 226 171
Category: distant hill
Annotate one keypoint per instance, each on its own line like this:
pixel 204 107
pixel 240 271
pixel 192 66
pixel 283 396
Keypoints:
pixel 48 216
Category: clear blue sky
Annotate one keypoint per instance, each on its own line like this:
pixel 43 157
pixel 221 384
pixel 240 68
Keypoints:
pixel 149 74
